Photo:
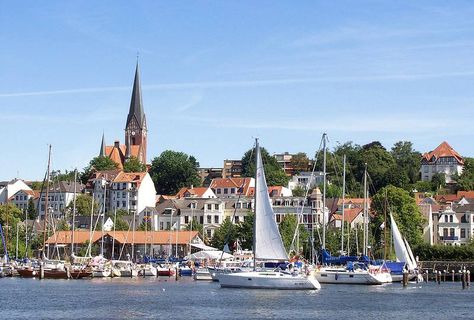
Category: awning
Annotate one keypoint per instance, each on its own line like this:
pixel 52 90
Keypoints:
pixel 202 246
pixel 208 255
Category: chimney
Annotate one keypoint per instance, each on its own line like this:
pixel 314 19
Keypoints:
pixel 192 186
pixel 117 144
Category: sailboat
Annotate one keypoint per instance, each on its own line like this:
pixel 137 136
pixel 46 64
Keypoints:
pixel 350 269
pixel 403 253
pixel 267 246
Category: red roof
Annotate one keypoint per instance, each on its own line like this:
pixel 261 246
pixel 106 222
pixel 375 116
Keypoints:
pixel 196 192
pixel 218 183
pixel 443 150
pixel 349 214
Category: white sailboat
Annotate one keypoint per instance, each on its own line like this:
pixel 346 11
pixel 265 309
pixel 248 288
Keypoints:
pixel 268 246
pixel 403 251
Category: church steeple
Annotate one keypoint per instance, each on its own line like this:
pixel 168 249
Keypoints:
pixel 135 128
pixel 102 147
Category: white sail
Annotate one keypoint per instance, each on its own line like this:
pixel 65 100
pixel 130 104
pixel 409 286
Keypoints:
pixel 410 254
pixel 400 249
pixel 268 243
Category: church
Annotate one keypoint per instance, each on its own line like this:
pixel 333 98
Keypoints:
pixel 135 131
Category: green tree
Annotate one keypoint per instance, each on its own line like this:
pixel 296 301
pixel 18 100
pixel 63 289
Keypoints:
pixel 63 225
pixel 225 234
pixel 287 229
pixel 10 216
pixel 465 181
pixel 194 225
pixel 173 170
pixel 145 226
pixel 274 173
pixel 438 181
pixel 407 160
pixel 121 224
pixel 405 212
pixel 299 192
pixel 99 163
pixel 133 165
pixel 31 210
pixel 300 162
pixel 245 231
pixel 83 205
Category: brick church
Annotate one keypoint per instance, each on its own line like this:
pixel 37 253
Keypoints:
pixel 135 131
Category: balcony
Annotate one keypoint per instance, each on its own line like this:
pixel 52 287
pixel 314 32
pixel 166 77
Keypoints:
pixel 449 238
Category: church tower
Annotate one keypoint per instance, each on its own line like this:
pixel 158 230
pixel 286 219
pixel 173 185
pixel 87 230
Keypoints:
pixel 135 129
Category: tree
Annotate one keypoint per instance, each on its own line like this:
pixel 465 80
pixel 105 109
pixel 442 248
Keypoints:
pixel 225 234
pixel 438 181
pixel 99 163
pixel 31 210
pixel 173 170
pixel 300 162
pixel 145 226
pixel 298 192
pixel 465 181
pixel 10 216
pixel 62 225
pixel 194 225
pixel 121 224
pixel 405 212
pixel 287 231
pixel 245 231
pixel 83 205
pixel 407 160
pixel 274 173
pixel 133 165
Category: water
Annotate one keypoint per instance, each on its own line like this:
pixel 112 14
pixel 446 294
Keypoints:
pixel 163 298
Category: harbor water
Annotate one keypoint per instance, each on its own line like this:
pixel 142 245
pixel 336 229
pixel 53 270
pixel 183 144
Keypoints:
pixel 166 298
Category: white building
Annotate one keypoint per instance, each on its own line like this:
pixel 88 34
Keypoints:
pixel 9 188
pixel 444 159
pixel 22 197
pixel 130 191
pixel 60 195
pixel 303 179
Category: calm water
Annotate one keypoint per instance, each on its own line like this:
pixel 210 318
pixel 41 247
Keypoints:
pixel 188 299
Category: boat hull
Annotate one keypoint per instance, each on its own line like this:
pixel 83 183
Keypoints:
pixel 202 274
pixel 268 280
pixel 28 273
pixel 101 273
pixel 349 277
pixel 55 274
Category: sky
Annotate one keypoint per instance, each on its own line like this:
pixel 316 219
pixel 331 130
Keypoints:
pixel 217 74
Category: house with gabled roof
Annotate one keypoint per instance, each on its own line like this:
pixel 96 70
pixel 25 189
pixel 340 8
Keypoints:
pixel 232 187
pixel 193 192
pixel 444 159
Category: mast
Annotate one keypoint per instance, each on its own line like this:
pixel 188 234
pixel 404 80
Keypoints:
pixel 385 228
pixel 45 225
pixel 324 191
pixel 113 239
pixel 343 201
pixel 74 211
pixel 365 235
pixel 257 151
pixel 103 216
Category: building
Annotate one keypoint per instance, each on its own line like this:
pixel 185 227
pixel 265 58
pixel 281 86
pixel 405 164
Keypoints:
pixel 354 218
pixel 207 174
pixel 9 188
pixel 199 192
pixel 135 131
pixel 444 159
pixel 284 160
pixel 232 187
pixel 60 195
pixel 232 169
pixel 306 180
pixel 130 191
pixel 22 198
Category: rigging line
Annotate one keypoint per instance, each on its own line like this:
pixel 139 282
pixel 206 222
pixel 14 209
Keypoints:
pixel 306 197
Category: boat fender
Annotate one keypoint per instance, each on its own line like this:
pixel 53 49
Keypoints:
pixel 336 276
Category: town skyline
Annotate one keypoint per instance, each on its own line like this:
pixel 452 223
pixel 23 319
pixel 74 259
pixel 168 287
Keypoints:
pixel 386 73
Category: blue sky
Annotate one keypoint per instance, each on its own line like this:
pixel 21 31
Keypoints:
pixel 216 74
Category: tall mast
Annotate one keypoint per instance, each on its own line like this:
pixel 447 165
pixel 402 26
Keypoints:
pixel 385 228
pixel 343 201
pixel 324 191
pixel 45 225
pixel 74 211
pixel 257 151
pixel 365 235
pixel 103 215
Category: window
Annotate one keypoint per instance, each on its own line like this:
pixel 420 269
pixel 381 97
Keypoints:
pixel 168 226
pixel 124 195
pixel 236 219
pixel 216 219
pixel 278 218
pixel 209 206
pixel 446 218
pixel 226 191
pixel 118 204
pixel 133 202
pixel 186 219
pixel 232 190
pixel 161 225
pixel 445 232
pixel 193 205
pixel 209 219
pixel 239 205
pixel 451 232
pixel 216 206
pixel 201 220
pixel 463 233
pixel 124 204
pixel 451 218
pixel 218 191
pixel 209 233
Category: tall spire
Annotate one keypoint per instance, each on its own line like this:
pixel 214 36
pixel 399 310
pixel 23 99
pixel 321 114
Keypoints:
pixel 102 146
pixel 136 105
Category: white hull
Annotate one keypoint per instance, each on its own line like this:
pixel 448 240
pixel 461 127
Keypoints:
pixel 268 280
pixel 202 274
pixel 343 276
pixel 101 273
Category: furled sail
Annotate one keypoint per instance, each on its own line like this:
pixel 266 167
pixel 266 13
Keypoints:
pixel 268 243
pixel 400 249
